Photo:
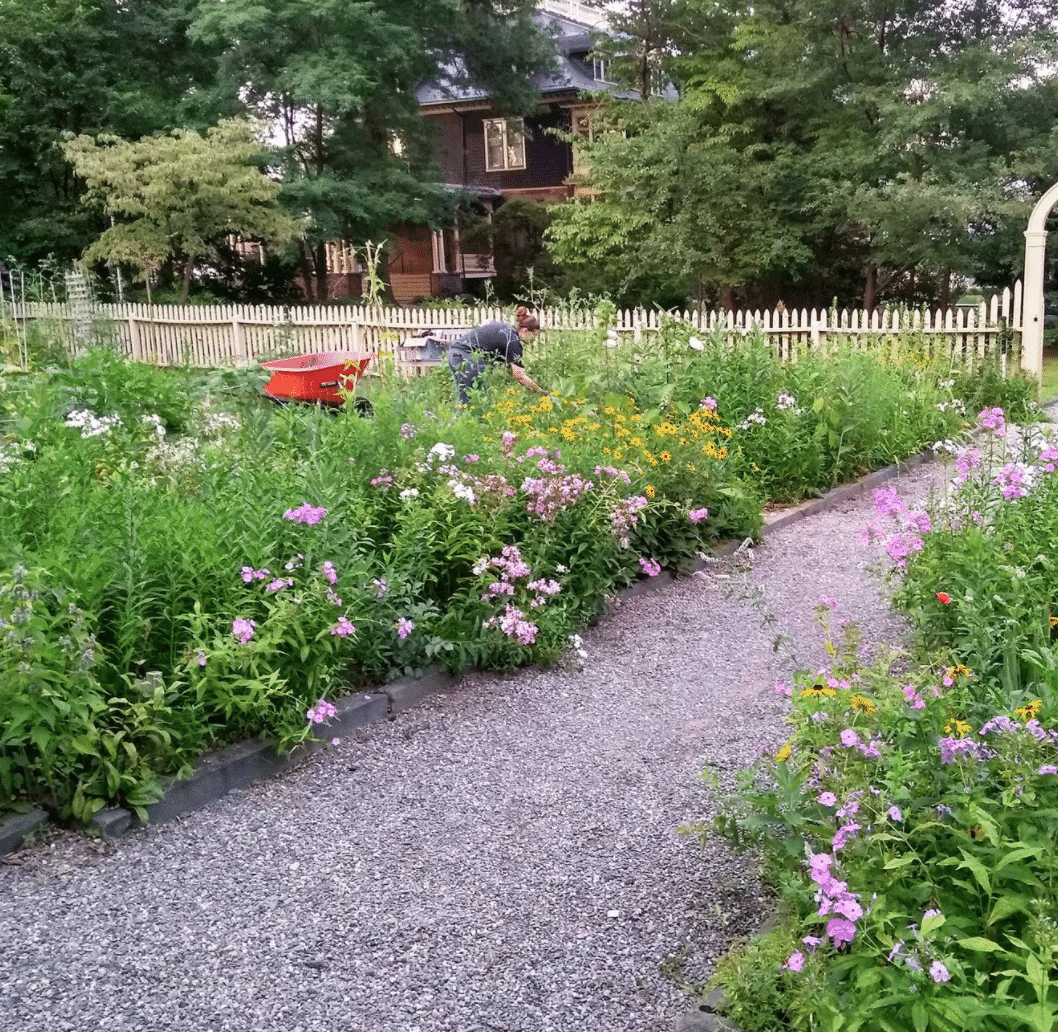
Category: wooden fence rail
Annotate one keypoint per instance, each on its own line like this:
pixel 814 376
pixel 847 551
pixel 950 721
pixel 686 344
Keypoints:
pixel 239 335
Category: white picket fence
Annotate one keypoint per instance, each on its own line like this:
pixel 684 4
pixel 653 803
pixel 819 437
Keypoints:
pixel 216 336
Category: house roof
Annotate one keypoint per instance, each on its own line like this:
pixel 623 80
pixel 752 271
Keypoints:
pixel 573 71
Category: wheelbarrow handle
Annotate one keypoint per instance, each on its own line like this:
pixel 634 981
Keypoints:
pixel 330 383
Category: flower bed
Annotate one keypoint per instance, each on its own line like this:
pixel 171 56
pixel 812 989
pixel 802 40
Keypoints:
pixel 908 824
pixel 261 559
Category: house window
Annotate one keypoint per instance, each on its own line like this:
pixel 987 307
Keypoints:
pixel 504 144
pixel 600 70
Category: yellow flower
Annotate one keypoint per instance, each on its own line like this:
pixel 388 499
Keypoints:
pixel 818 691
pixel 665 456
pixel 1053 622
pixel 650 492
pixel 958 671
pixel 722 454
pixel 957 728
pixel 637 442
pixel 862 703
pixel 1030 711
pixel 784 753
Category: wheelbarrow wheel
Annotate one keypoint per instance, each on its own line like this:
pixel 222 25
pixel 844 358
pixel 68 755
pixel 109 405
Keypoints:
pixel 363 408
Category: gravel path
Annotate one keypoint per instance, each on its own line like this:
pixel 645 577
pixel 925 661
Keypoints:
pixel 505 858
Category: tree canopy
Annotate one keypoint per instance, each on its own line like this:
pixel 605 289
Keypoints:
pixel 822 149
pixel 178 194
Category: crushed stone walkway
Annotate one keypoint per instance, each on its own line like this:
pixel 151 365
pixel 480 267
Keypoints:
pixel 505 858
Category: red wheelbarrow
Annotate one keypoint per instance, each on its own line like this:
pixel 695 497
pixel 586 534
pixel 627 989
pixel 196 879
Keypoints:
pixel 317 379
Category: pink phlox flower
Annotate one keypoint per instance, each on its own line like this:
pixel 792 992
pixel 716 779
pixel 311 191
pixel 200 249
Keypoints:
pixel 1001 724
pixel 250 574
pixel 851 806
pixel 471 458
pixel 383 479
pixel 243 630
pixel 812 942
pixel 918 521
pixel 343 628
pixel 900 546
pixel 497 588
pixel 783 689
pixel 827 799
pixel 871 532
pixel 404 627
pixel 841 931
pixel 708 403
pixel 295 563
pixel 305 513
pixel 380 586
pixel 849 738
pixel 330 572
pixel 321 712
pixel 650 567
pixel 1048 768
pixel 820 866
pixel 513 623
pixel 795 962
pixel 914 700
pixel 545 586
pixel 1013 480
pixel 697 515
pixel 894 813
pixel 887 501
pixel 509 437
pixel 952 749
pixel 966 462
pixel 613 471
pixel 279 584
pixel 333 598
pixel 829 601
pixel 200 658
pixel 408 431
pixel 1048 458
pixel 994 420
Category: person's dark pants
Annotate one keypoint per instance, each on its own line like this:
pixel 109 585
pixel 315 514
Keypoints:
pixel 466 366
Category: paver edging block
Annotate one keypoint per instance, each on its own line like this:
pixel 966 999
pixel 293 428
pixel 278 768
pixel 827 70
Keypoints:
pixel 15 828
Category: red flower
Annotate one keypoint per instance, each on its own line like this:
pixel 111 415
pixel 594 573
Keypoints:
pixel 943 598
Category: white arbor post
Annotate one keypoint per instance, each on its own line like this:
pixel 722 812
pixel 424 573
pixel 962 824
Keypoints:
pixel 1032 317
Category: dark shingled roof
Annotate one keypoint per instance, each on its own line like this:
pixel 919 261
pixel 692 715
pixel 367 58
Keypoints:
pixel 573 69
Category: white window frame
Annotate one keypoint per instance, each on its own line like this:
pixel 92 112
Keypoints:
pixel 600 70
pixel 511 134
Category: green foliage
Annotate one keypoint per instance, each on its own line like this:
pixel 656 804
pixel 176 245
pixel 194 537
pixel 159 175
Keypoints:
pixel 914 805
pixel 488 539
pixel 177 195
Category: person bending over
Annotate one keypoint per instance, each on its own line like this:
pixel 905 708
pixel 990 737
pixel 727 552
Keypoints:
pixel 493 343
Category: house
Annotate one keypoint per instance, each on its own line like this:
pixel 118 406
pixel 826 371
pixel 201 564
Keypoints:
pixel 502 158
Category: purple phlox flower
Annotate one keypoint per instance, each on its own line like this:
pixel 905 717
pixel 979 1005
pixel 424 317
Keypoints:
pixel 819 717
pixel 382 480
pixel 380 586
pixel 942 810
pixel 279 584
pixel 994 420
pixel 1048 768
pixel 827 799
pixel 650 567
pixel 333 598
pixel 894 813
pixel 849 738
pixel 1048 458
pixel 343 628
pixel 509 437
pixel 1033 727
pixel 697 515
pixel 812 942
pixel 841 931
pixel 871 532
pixel 851 806
pixel 887 501
pixel 782 689
pixel 952 749
pixel 819 865
pixel 795 962
pixel 843 834
pixel 295 563
pixel 408 431
pixel 250 574
pixel 829 601
pixel 708 403
pixel 965 463
pixel 471 458
pixel 330 572
pixel 932 912
pixel 896 951
pixel 613 471
pixel 1001 724
pixel 869 750
pixel 243 630
pixel 938 972
pixel 200 658
pixel 513 623
pixel 306 513
pixel 545 586
pixel 404 627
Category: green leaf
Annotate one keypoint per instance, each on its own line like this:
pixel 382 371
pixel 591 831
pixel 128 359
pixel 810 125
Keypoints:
pixel 978 870
pixel 979 944
pixel 1005 906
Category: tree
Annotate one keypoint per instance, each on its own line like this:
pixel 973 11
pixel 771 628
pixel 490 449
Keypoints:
pixel 178 194
pixel 124 67
pixel 339 77
pixel 857 149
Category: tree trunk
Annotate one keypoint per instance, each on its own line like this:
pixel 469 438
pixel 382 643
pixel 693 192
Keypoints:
pixel 870 287
pixel 185 289
pixel 727 299
pixel 321 271
pixel 305 267
pixel 945 288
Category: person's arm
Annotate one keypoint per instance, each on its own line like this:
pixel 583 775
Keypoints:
pixel 525 380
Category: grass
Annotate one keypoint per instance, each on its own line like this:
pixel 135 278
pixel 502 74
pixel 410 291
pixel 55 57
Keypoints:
pixel 1049 382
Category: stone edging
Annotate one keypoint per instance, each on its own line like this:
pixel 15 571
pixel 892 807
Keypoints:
pixel 240 765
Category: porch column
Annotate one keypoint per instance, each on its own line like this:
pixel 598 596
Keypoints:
pixel 1032 301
